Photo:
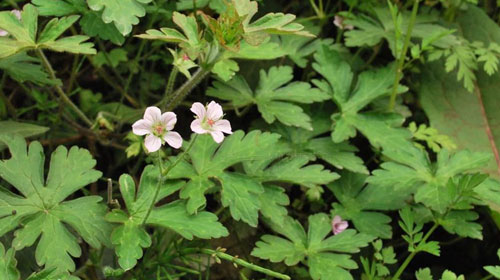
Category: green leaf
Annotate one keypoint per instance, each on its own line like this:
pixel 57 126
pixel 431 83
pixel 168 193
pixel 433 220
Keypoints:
pixel 190 40
pixel 370 86
pixel 239 193
pixel 59 8
pixel 370 31
pixel 244 193
pixel 22 67
pixel 411 169
pixel 131 236
pixel 274 97
pixel 448 275
pixel 115 56
pixel 93 25
pixel 359 203
pixel 41 207
pixel 273 202
pixel 327 258
pixel 461 223
pixel 24 33
pixel 454 111
pixel 25 130
pixel 124 14
pixel 8 263
pixel 290 170
pixel 423 274
pixel 494 270
pixel 302 142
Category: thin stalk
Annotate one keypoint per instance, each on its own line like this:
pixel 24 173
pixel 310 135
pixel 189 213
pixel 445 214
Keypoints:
pixel 402 57
pixel 170 84
pixel 164 173
pixel 410 257
pixel 237 261
pixel 246 264
pixel 181 93
pixel 59 90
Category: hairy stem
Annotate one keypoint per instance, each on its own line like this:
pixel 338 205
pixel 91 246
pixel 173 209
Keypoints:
pixel 170 84
pixel 410 257
pixel 402 57
pixel 237 261
pixel 164 173
pixel 181 93
pixel 59 90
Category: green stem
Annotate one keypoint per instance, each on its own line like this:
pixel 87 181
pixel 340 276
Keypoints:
pixel 181 93
pixel 410 257
pixel 402 57
pixel 59 90
pixel 164 173
pixel 237 261
pixel 170 84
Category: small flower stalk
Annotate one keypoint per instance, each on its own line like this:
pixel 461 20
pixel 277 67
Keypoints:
pixel 209 121
pixel 17 14
pixel 158 129
pixel 338 225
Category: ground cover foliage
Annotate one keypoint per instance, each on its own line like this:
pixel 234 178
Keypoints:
pixel 241 139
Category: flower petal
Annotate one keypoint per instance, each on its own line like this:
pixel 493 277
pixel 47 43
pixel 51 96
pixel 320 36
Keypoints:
pixel 17 13
pixel 337 219
pixel 343 225
pixel 173 139
pixel 152 114
pixel 223 125
pixel 142 127
pixel 214 111
pixel 197 128
pixel 169 120
pixel 152 143
pixel 198 109
pixel 3 33
pixel 217 136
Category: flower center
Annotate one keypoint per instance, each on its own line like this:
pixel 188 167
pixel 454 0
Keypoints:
pixel 210 122
pixel 158 129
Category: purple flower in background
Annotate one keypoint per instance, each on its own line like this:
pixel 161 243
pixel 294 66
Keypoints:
pixel 338 225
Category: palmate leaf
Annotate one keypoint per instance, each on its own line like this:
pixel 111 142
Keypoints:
pixel 359 203
pixel 379 128
pixel 190 38
pixel 131 236
pixel 411 169
pixel 275 96
pixel 40 211
pixel 310 142
pixel 91 21
pixel 24 34
pixel 244 193
pixel 22 67
pixel 8 262
pixel 124 13
pixel 327 258
pixel 370 31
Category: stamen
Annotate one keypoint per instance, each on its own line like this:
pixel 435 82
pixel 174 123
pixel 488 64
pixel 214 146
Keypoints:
pixel 210 122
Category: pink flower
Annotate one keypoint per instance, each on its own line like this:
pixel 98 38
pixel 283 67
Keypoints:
pixel 209 120
pixel 158 128
pixel 338 225
pixel 16 13
pixel 339 22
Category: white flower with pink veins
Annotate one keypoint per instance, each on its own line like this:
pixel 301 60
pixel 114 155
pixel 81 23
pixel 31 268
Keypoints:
pixel 158 129
pixel 16 13
pixel 209 120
